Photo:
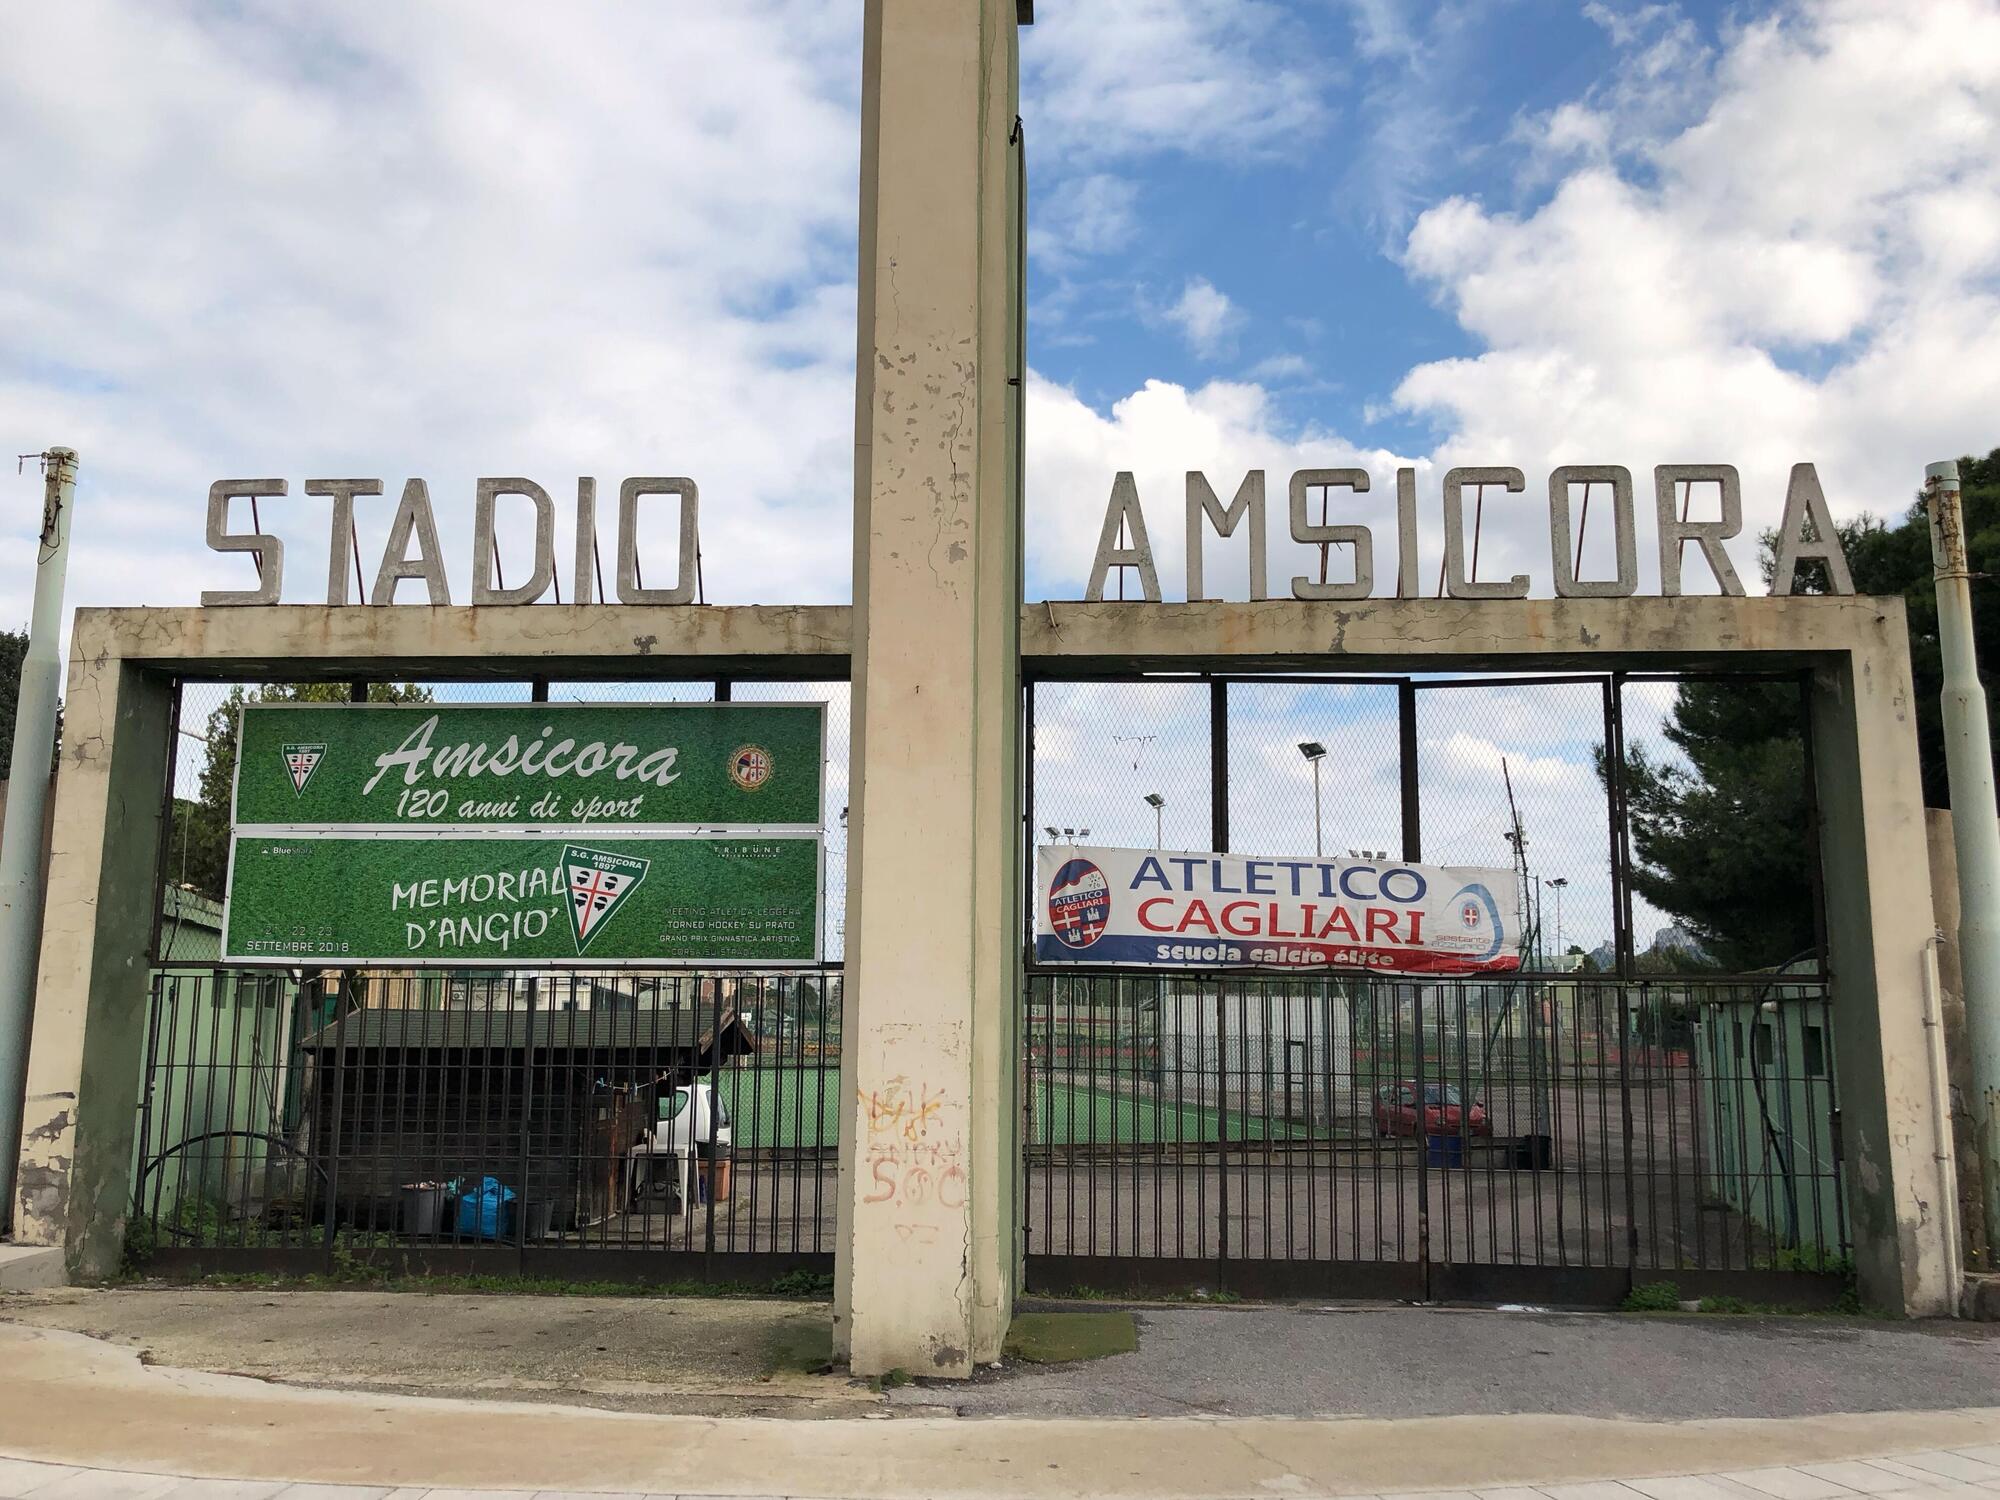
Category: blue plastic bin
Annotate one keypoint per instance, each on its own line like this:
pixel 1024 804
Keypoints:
pixel 487 1214
pixel 1444 1150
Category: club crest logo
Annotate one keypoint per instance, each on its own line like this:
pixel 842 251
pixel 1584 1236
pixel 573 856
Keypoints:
pixel 599 882
pixel 750 767
pixel 1479 915
pixel 300 763
pixel 1079 903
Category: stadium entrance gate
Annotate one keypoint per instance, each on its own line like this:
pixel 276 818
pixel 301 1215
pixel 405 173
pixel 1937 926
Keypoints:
pixel 535 1121
pixel 1625 1110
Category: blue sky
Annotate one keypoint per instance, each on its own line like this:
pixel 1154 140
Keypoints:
pixel 610 239
pixel 1302 229
pixel 465 239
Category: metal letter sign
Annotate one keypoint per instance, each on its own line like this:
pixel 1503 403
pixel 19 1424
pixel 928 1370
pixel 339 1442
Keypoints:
pixel 470 834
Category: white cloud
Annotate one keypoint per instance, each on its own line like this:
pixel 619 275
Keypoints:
pixel 1205 316
pixel 1780 280
pixel 1201 77
pixel 1804 265
pixel 1275 367
pixel 1159 433
pixel 1094 214
pixel 449 241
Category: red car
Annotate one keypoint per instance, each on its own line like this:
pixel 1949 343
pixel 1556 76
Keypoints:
pixel 1444 1111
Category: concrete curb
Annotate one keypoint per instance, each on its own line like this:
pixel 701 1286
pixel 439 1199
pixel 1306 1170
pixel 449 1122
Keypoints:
pixel 31 1268
pixel 69 1399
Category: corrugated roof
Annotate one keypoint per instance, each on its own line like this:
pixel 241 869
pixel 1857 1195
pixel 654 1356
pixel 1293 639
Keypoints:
pixel 611 1033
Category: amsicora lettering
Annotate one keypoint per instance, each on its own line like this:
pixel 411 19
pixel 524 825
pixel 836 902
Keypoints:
pixel 417 758
pixel 1805 534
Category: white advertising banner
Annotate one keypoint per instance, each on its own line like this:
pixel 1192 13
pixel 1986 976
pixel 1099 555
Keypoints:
pixel 1148 908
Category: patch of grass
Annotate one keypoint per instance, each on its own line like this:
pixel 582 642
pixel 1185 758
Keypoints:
pixel 800 1345
pixel 142 1243
pixel 1061 1338
pixel 1665 1297
pixel 1219 1296
pixel 814 1286
pixel 1653 1296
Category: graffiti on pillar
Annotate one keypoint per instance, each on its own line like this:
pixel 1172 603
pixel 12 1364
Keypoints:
pixel 911 1162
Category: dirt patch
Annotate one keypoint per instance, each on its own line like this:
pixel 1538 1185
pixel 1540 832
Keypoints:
pixel 690 1356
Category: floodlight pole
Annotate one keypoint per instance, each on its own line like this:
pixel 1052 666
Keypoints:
pixel 1319 825
pixel 1975 821
pixel 21 886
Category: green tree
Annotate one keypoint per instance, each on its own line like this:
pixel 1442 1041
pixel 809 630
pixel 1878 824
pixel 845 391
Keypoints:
pixel 13 649
pixel 200 853
pixel 1896 559
pixel 1720 842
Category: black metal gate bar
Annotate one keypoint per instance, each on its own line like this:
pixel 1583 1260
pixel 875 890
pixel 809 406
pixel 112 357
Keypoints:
pixel 495 1123
pixel 1607 1129
pixel 1304 1197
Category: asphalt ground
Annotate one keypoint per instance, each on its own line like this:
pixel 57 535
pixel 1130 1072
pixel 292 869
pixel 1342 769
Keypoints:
pixel 1303 1361
pixel 719 1357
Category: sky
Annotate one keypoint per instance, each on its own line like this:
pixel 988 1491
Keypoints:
pixel 609 239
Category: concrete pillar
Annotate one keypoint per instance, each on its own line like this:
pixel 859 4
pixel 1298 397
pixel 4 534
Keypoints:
pixel 1879 921
pixel 74 1184
pixel 928 1230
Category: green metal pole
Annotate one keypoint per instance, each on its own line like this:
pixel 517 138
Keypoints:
pixel 21 875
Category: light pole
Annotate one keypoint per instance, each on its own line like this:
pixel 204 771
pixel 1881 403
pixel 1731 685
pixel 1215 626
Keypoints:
pixel 1975 823
pixel 1159 806
pixel 1557 885
pixel 21 876
pixel 1315 752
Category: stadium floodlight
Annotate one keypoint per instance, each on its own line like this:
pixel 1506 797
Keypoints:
pixel 1315 752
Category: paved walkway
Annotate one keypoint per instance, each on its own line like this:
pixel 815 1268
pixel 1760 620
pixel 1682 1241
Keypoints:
pixel 1938 1472
pixel 83 1420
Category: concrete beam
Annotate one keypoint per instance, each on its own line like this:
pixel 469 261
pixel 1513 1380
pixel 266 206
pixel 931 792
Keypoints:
pixel 1372 635
pixel 300 642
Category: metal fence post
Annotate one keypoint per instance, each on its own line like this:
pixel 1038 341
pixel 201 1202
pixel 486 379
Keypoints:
pixel 334 1114
pixel 522 1207
pixel 1406 741
pixel 1218 765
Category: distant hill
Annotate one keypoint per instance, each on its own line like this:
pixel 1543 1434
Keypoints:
pixel 1673 939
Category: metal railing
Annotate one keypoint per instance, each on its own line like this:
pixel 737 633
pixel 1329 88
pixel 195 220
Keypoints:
pixel 686 1121
pixel 1560 1136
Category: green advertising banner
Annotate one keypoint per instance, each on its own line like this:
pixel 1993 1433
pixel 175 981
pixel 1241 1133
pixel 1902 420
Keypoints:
pixel 530 765
pixel 416 900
